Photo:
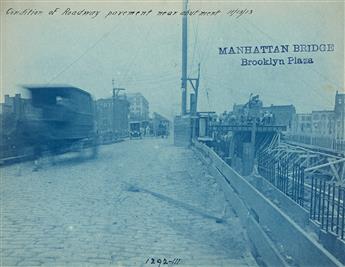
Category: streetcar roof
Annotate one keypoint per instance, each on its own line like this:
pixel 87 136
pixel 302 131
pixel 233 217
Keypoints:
pixel 63 88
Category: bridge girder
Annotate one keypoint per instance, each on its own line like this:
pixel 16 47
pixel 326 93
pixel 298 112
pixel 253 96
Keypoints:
pixel 329 166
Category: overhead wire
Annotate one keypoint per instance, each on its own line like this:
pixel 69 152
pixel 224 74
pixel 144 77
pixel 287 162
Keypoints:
pixel 93 45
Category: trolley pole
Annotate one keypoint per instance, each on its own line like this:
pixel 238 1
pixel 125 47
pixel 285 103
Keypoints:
pixel 116 92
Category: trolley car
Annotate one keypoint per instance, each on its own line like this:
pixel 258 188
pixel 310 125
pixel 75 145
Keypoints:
pixel 63 121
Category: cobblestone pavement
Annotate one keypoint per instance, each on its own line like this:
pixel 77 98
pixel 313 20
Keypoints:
pixel 139 199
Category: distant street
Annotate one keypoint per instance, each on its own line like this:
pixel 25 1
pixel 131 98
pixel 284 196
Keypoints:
pixel 140 199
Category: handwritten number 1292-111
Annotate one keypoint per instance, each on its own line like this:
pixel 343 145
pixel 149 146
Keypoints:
pixel 162 261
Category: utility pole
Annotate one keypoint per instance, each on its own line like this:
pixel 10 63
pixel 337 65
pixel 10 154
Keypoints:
pixel 184 58
pixel 194 101
pixel 196 91
pixel 184 78
pixel 185 126
pixel 116 92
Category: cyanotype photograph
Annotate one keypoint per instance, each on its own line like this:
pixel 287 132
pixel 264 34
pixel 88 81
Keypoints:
pixel 172 133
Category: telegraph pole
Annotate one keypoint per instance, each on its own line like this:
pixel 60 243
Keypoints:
pixel 194 82
pixel 184 58
pixel 185 126
pixel 194 101
pixel 116 92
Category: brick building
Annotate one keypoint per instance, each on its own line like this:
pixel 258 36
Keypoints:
pixel 139 107
pixel 302 123
pixel 323 123
pixel 283 115
pixel 15 108
pixel 160 124
pixel 18 106
pixel 112 116
pixel 339 110
pixel 12 111
pixel 325 128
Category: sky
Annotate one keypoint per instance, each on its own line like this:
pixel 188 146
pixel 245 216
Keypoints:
pixel 143 54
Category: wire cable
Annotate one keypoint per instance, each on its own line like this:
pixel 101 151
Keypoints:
pixel 105 35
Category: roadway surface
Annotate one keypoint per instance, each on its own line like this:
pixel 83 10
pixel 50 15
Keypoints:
pixel 137 200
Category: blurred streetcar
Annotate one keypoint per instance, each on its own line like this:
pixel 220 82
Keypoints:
pixel 63 121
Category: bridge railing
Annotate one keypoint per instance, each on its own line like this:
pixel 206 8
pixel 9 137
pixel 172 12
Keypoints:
pixel 324 200
pixel 327 206
pixel 286 176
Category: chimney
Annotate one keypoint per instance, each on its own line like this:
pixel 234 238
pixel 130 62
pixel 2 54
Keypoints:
pixel 7 99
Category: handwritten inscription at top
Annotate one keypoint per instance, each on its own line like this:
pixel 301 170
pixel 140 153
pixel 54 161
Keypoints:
pixel 93 13
pixel 24 12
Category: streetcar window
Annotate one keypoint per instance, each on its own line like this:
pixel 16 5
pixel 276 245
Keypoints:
pixel 59 100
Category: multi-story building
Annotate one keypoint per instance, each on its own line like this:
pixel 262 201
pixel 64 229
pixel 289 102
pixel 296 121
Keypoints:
pixel 319 123
pixel 112 115
pixel 283 115
pixel 323 123
pixel 104 115
pixel 13 110
pixel 5 109
pixel 17 106
pixel 324 128
pixel 339 110
pixel 160 124
pixel 139 107
pixel 302 124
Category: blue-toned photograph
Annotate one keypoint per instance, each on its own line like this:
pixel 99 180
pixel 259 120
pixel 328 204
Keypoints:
pixel 172 133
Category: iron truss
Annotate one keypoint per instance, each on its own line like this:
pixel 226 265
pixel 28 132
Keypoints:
pixel 317 164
